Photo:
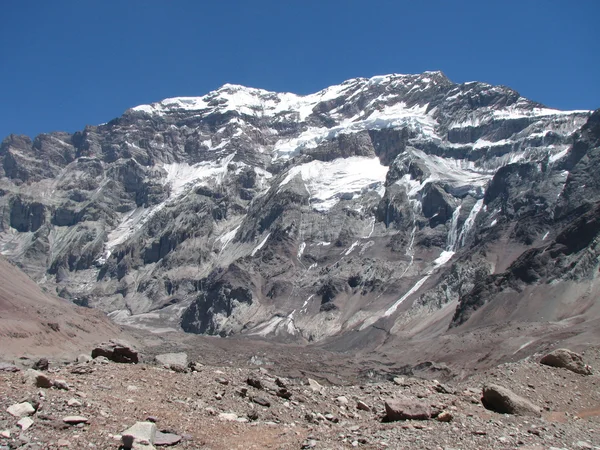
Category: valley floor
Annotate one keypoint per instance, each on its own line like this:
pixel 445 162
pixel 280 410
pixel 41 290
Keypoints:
pixel 260 403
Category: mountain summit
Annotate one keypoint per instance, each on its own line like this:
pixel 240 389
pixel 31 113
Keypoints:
pixel 400 205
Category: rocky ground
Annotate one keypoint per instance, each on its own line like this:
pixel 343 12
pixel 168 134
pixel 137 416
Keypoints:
pixel 206 406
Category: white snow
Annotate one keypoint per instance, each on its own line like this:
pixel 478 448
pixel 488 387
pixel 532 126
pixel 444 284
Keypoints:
pixel 545 235
pixel 556 156
pixel 326 182
pixel 301 250
pixel 180 177
pixel 352 247
pixel 261 245
pixel 397 115
pixel 468 225
pixel 227 237
pixel 453 234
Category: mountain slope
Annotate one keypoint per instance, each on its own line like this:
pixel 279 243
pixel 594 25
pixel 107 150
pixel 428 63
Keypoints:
pixel 391 203
pixel 34 323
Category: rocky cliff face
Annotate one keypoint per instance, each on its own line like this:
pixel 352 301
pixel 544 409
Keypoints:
pixel 379 203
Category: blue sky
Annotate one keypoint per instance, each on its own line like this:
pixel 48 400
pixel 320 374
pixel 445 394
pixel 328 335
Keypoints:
pixel 66 64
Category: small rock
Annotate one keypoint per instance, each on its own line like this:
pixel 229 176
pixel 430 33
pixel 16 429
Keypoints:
pixel 583 444
pixel 167 359
pixel 566 359
pixel 132 388
pixel 405 408
pixel 309 443
pixel 82 369
pixel 254 382
pixel 117 351
pixel 444 389
pixel 342 400
pixel 261 401
pixel 41 364
pixel 5 434
pixel 314 385
pixel 152 419
pixel 400 381
pixel 445 416
pixel 362 406
pixel 82 359
pixel 74 420
pixel 228 416
pixel 21 409
pixel 166 439
pixel 141 433
pixel 74 403
pixel 178 368
pixel 60 384
pixel 5 367
pixel 330 417
pixel 504 401
pixel 25 423
pixel 222 381
pixel 101 360
pixel 63 443
pixel 37 378
pixel 252 415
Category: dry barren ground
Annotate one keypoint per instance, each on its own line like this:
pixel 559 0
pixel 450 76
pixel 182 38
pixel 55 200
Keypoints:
pixel 254 406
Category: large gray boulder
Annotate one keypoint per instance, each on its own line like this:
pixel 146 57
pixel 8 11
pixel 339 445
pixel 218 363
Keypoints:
pixel 405 408
pixel 504 401
pixel 566 359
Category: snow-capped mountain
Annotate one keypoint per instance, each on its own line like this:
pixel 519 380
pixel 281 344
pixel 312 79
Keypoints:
pixel 401 203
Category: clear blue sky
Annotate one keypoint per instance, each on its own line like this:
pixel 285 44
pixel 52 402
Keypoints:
pixel 65 64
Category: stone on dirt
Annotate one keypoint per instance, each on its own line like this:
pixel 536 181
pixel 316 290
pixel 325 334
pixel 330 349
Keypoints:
pixel 25 423
pixel 74 420
pixel 504 401
pixel 168 359
pixel 166 439
pixel 404 408
pixel 41 364
pixel 142 433
pixel 566 359
pixel 38 379
pixel 117 351
pixel 21 409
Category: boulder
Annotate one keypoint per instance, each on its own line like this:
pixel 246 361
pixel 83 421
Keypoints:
pixel 504 401
pixel 169 359
pixel 142 433
pixel 117 351
pixel 404 408
pixel 566 359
